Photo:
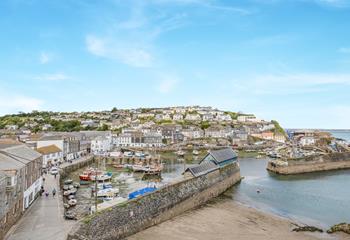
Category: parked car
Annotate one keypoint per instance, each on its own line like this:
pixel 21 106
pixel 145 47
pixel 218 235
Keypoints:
pixel 54 170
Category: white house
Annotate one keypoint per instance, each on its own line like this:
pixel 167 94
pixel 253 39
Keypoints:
pixel 101 145
pixel 223 117
pixel 193 117
pixel 178 117
pixel 192 133
pixel 246 118
pixel 207 117
pixel 51 155
pixel 122 140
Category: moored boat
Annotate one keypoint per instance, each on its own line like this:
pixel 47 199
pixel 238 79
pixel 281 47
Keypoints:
pixel 72 202
pixel 109 192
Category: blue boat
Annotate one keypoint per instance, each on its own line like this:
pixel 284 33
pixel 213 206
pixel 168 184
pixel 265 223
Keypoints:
pixel 141 192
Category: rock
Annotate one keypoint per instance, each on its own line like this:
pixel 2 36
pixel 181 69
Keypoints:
pixel 341 227
pixel 307 229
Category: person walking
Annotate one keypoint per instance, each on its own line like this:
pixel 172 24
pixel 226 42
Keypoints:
pixel 46 193
pixel 54 192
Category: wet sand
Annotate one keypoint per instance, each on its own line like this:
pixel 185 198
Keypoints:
pixel 225 219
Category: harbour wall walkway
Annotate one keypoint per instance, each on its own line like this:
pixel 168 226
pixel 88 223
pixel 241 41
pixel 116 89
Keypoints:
pixel 165 203
pixel 331 161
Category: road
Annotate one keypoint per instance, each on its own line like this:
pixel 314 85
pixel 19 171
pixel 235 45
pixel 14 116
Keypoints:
pixel 44 219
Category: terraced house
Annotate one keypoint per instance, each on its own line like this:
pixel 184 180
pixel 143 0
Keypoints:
pixel 20 181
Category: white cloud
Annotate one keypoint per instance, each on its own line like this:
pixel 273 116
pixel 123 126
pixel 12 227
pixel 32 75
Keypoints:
pixel 344 50
pixel 14 103
pixel 293 83
pixel 126 52
pixel 45 57
pixel 52 77
pixel 167 85
pixel 96 46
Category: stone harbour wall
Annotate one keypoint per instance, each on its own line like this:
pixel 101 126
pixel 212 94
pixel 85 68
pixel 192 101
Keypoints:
pixel 66 170
pixel 167 202
pixel 332 161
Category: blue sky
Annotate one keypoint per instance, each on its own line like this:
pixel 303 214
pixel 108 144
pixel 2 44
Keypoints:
pixel 280 59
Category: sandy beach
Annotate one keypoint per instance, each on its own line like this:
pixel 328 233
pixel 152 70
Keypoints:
pixel 225 219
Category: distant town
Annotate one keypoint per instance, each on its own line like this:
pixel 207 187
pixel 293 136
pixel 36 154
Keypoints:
pixel 34 143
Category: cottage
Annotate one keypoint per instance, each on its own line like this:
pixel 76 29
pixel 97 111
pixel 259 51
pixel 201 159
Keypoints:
pixel 246 118
pixel 178 117
pixel 193 117
pixel 207 117
pixel 51 155
pixel 218 132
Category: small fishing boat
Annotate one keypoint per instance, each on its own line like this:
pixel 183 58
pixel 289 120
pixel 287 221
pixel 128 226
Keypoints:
pixel 76 185
pixel 128 154
pixel 138 168
pixel 86 175
pixel 101 178
pixel 195 152
pixel 118 166
pixel 66 187
pixel 70 215
pixel 101 186
pixel 68 182
pixel 72 202
pixel 109 192
pixel 140 155
pixel 73 191
pixel 71 197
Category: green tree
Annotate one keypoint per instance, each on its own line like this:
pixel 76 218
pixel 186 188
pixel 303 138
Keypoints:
pixel 205 125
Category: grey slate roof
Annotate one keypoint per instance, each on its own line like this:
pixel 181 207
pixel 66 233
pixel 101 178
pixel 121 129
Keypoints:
pixel 223 154
pixel 16 157
pixel 202 168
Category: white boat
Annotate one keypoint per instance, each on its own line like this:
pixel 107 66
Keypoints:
pixel 138 168
pixel 109 192
pixel 195 152
pixel 138 154
pixel 128 154
pixel 72 202
pixel 101 178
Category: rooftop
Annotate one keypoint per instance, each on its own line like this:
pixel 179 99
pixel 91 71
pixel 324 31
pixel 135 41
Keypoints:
pixel 49 149
pixel 223 154
pixel 202 168
pixel 16 156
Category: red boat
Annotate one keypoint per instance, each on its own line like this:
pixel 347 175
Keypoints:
pixel 86 176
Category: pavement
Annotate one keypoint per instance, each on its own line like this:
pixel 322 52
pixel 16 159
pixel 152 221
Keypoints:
pixel 44 219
